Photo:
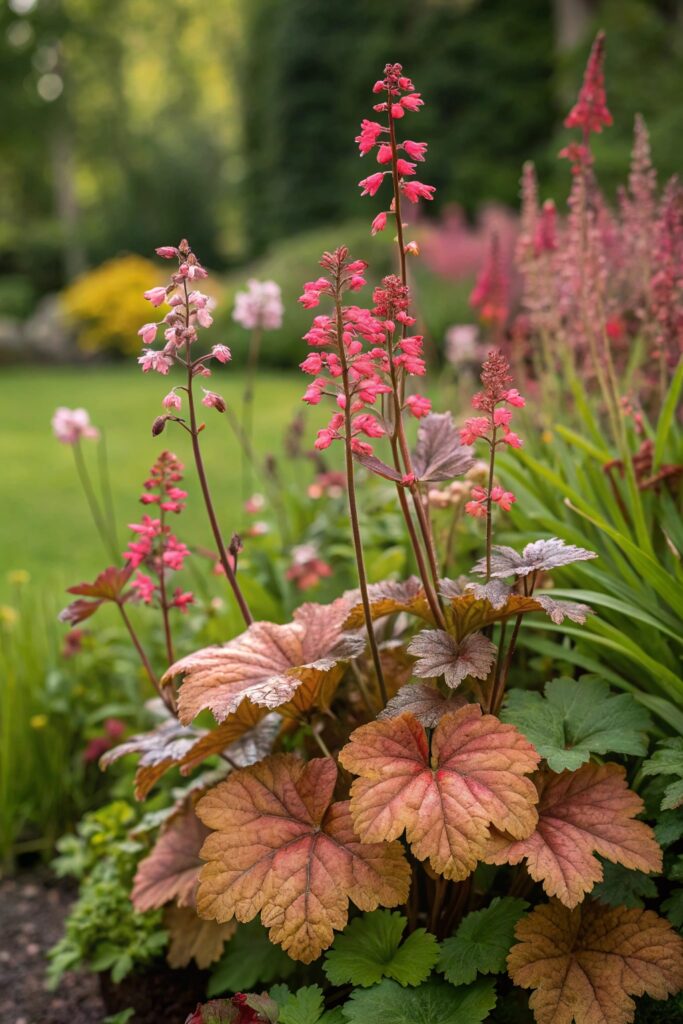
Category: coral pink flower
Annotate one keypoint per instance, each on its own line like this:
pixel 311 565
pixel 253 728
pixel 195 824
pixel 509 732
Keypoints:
pixel 418 405
pixel 369 134
pixel 379 223
pixel 222 353
pixel 475 427
pixel 157 361
pixel 148 333
pixel 415 190
pixel 156 296
pixel 415 150
pixel 144 587
pixel 405 167
pixel 213 401
pixel 371 184
pixel 172 401
pixel 167 252
pixel 412 101
pixel 71 425
pixel 182 599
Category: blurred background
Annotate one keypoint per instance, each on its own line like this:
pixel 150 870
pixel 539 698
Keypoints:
pixel 128 124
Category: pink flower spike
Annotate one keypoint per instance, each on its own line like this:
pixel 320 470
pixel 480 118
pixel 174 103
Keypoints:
pixel 502 417
pixel 590 110
pixel 418 405
pixel 156 295
pixel 172 401
pixel 144 587
pixel 148 333
pixel 384 154
pixel 397 111
pixel 167 252
pixel 379 223
pixel 473 429
pixel 514 440
pixel 324 439
pixel 371 184
pixel 222 353
pixel 476 509
pixel 182 599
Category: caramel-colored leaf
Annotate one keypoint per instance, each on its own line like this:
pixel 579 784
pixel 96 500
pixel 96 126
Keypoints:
pixel 388 598
pixel 194 938
pixel 282 849
pixel 424 702
pixel 108 586
pixel 439 454
pixel 585 964
pixel 446 801
pixel 171 870
pixel 438 653
pixel 466 613
pixel 495 592
pixel 298 664
pixel 580 814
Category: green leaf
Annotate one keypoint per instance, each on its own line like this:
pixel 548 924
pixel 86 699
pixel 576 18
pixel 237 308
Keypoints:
pixel 122 1017
pixel 370 949
pixel 577 718
pixel 434 1002
pixel 668 760
pixel 673 908
pixel 303 1007
pixel 666 417
pixel 482 941
pixel 623 888
pixel 669 827
pixel 249 959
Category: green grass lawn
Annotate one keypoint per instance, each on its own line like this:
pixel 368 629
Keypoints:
pixel 45 527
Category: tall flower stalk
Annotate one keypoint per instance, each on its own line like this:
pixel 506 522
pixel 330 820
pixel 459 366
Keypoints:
pixel 190 309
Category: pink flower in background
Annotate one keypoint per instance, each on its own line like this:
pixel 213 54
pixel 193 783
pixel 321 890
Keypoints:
pixel 307 568
pixel 144 587
pixel 71 425
pixel 490 293
pixel 590 110
pixel 181 599
pixel 259 306
pixel 255 504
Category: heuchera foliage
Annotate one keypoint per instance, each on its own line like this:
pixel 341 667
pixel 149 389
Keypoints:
pixel 422 777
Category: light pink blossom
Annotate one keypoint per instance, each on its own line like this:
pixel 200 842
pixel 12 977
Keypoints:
pixel 259 306
pixel 71 425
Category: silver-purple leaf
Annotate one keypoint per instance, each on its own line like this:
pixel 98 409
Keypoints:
pixel 424 702
pixel 449 589
pixel 439 454
pixel 438 653
pixel 539 555
pixel 495 592
pixel 558 611
pixel 170 741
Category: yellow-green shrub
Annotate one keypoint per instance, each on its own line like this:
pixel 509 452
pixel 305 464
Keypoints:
pixel 107 305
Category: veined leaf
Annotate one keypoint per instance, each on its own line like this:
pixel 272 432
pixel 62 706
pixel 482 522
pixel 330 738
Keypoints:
pixel 282 849
pixel 171 870
pixel 482 942
pixel 577 718
pixel 388 598
pixel 424 701
pixel 447 799
pixel 193 938
pixel 668 760
pixel 250 959
pixel 438 653
pixel 585 964
pixel 621 887
pixel 303 1007
pixel 581 813
pixel 434 1002
pixel 370 949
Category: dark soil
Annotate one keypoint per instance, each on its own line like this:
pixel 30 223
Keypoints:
pixel 32 912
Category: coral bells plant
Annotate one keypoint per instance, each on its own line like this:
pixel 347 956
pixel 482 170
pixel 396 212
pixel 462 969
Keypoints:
pixel 367 783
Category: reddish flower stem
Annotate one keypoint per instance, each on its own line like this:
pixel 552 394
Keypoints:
pixel 489 503
pixel 201 473
pixel 146 664
pixel 353 508
pixel 164 600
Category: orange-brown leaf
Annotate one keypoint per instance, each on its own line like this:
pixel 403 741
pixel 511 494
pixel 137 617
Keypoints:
pixel 388 598
pixel 585 964
pixel 446 801
pixel 194 938
pixel 466 613
pixel 282 849
pixel 581 813
pixel 171 870
pixel 297 664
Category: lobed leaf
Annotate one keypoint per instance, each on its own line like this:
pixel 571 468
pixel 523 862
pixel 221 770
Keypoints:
pixel 434 1002
pixel 297 664
pixel 425 702
pixel 171 870
pixel 467 614
pixel 439 453
pixel 438 653
pixel 539 555
pixel 580 814
pixel 302 1007
pixel 482 942
pixel 159 750
pixel 446 800
pixel 370 949
pixel 621 887
pixel 193 938
pixel 282 849
pixel 668 760
pixel 388 598
pixel 585 964
pixel 108 586
pixel 557 611
pixel 577 718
